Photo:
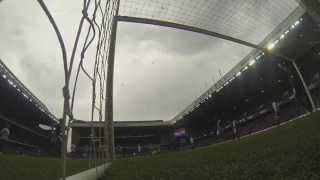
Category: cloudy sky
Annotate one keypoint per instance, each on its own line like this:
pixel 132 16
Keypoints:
pixel 158 71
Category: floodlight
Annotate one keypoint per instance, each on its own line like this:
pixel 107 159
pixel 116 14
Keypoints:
pixel 10 82
pixel 252 62
pixel 25 95
pixel 270 46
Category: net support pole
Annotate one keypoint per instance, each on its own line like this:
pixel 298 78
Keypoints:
pixel 305 87
pixel 65 89
pixel 109 129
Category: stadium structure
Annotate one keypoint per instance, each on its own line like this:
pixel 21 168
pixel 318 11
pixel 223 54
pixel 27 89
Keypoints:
pixel 277 81
pixel 250 88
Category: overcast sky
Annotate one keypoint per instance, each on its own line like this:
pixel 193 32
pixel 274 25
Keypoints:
pixel 158 71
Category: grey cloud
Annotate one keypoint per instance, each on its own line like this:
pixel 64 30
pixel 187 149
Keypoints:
pixel 167 37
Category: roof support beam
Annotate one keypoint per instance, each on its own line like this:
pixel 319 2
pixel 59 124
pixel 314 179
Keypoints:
pixel 187 28
pixel 15 123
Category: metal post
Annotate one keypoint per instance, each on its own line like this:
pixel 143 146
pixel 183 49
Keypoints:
pixel 109 130
pixel 64 140
pixel 304 86
pixel 65 89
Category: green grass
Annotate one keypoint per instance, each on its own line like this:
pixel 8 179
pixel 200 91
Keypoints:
pixel 288 152
pixel 13 167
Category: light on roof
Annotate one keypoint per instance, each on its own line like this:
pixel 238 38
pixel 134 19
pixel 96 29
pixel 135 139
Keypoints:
pixel 10 82
pixel 258 57
pixel 252 62
pixel 245 68
pixel 282 36
pixel 238 74
pixel 25 95
pixel 270 46
pixel 4 76
pixel 297 22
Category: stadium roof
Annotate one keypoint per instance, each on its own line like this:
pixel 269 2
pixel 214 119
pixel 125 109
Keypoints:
pixel 7 74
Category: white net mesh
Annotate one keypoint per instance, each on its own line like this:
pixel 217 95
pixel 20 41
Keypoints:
pixel 249 20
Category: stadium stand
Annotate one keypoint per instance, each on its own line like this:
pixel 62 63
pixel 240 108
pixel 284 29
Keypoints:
pixel 250 96
pixel 31 126
pixel 131 137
